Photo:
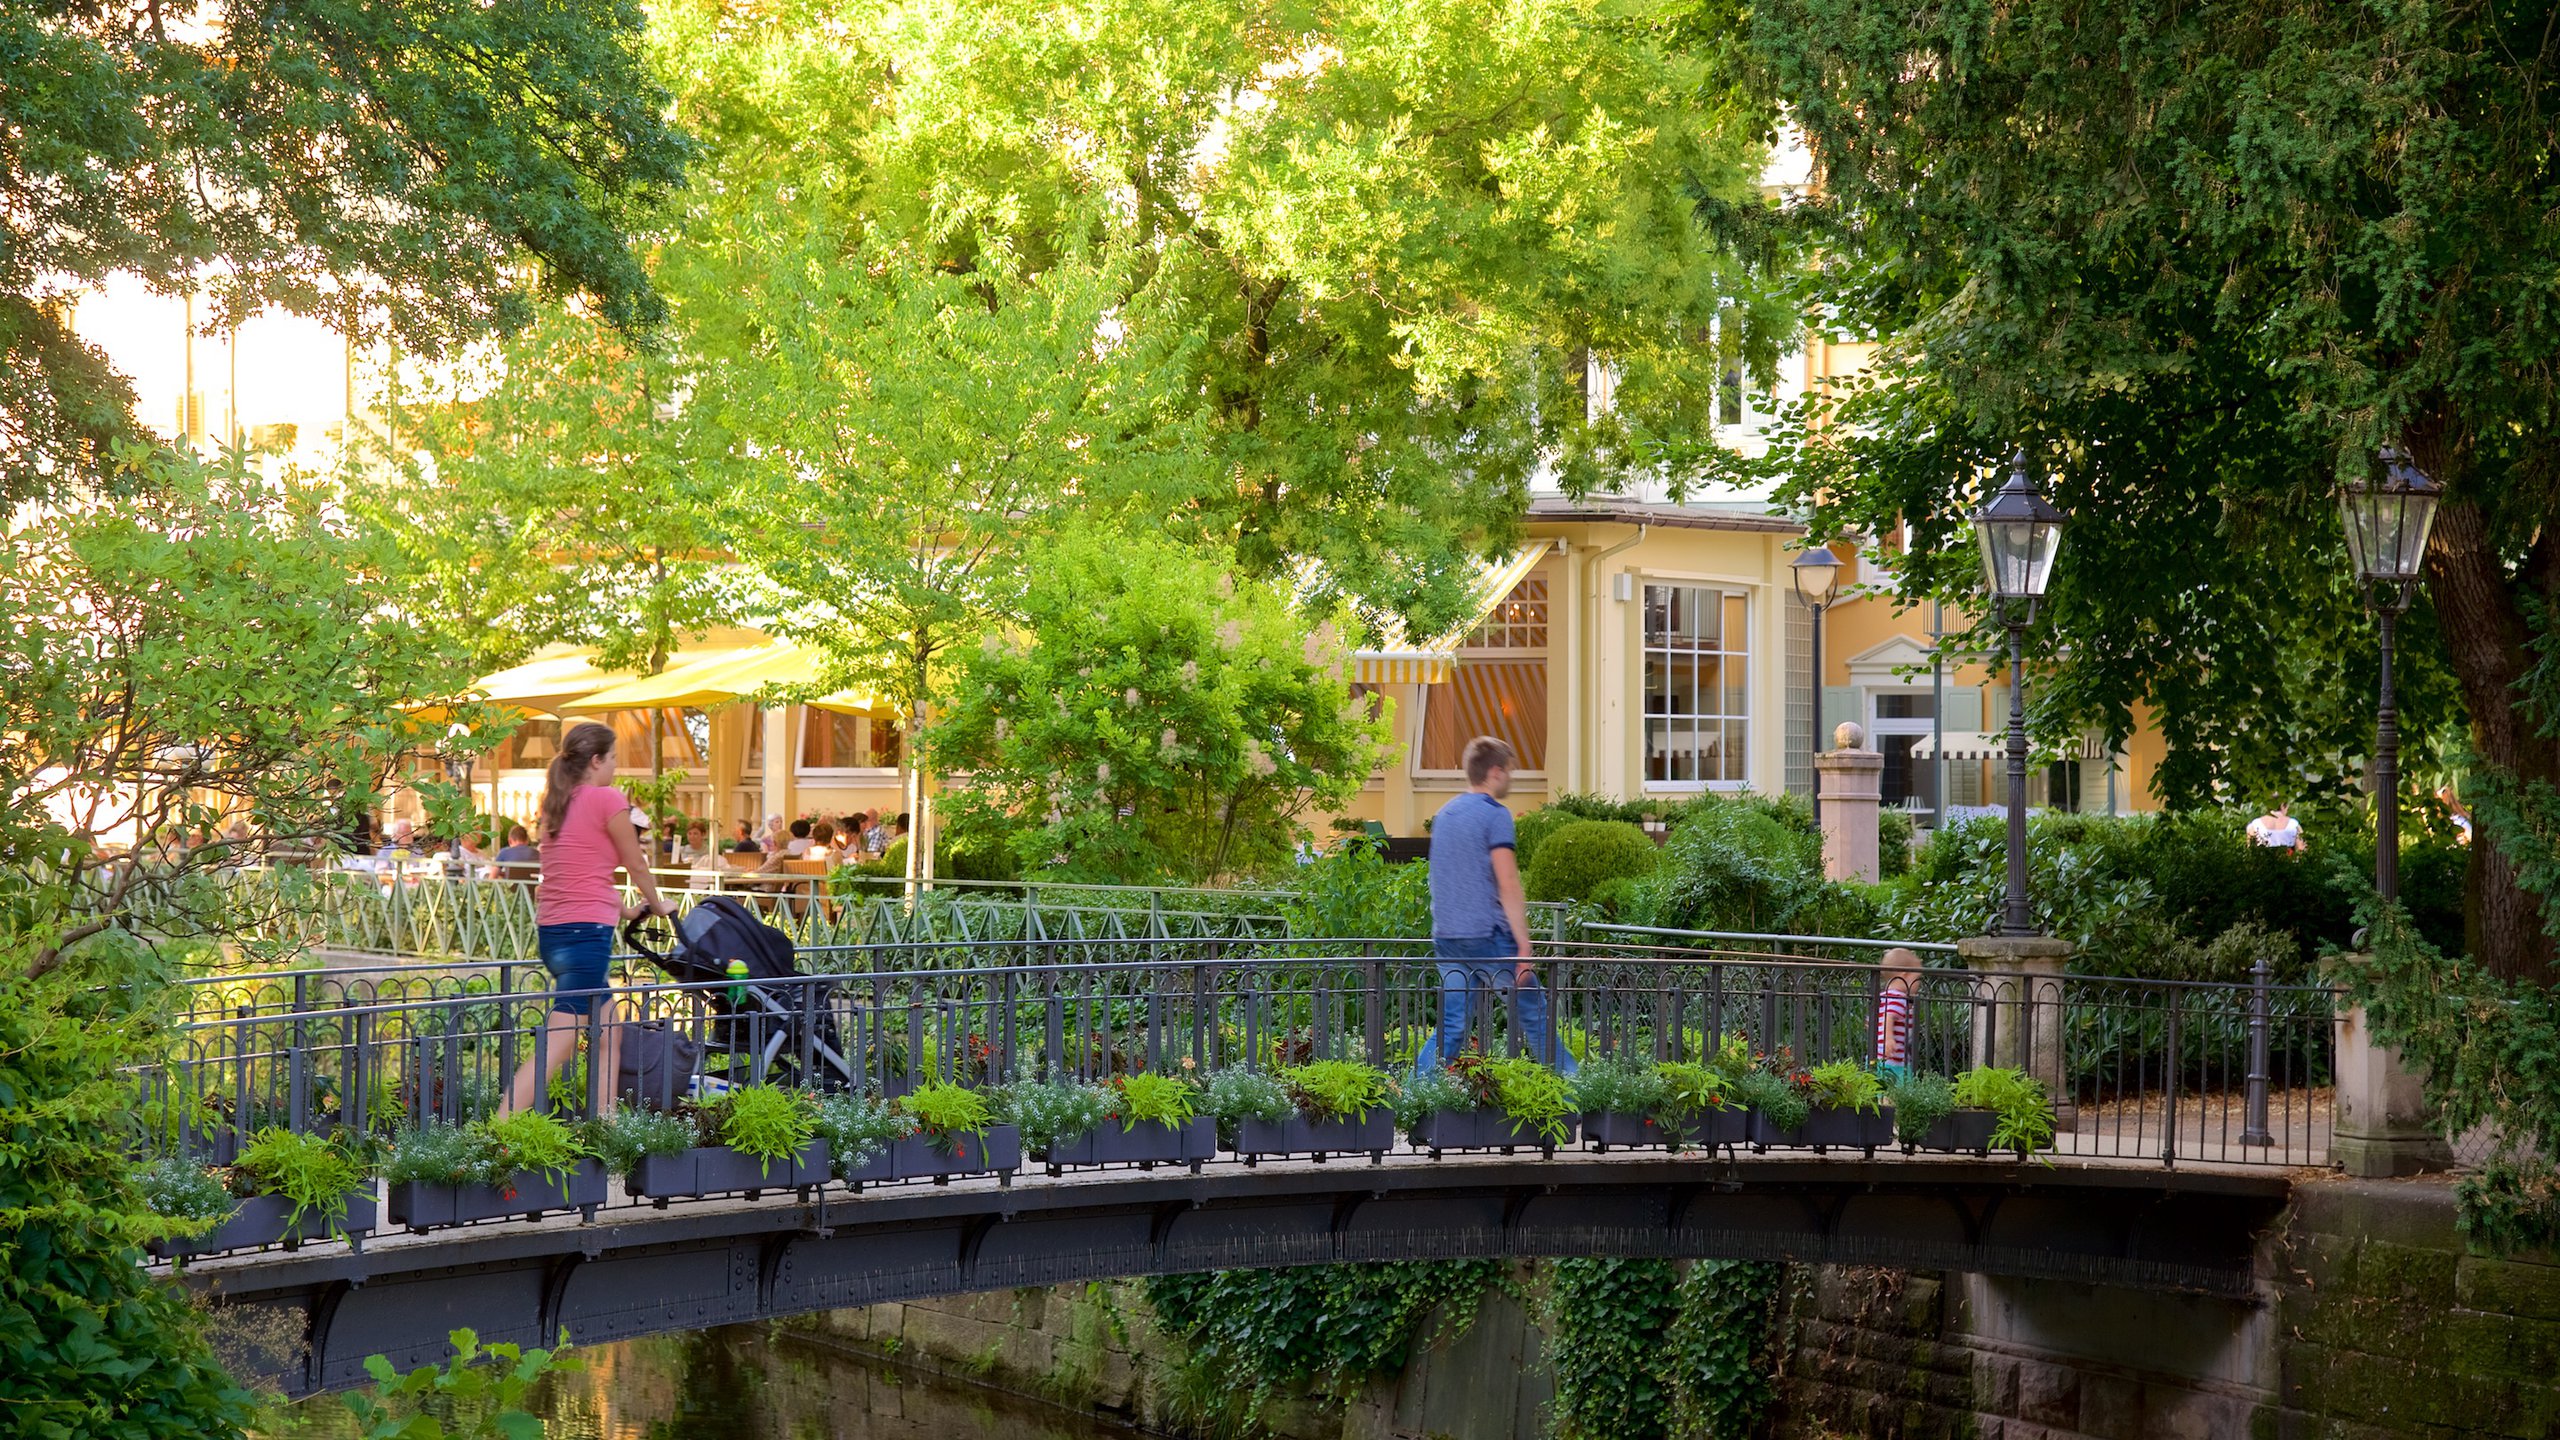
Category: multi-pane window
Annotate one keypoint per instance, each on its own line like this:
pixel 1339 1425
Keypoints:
pixel 829 741
pixel 1499 687
pixel 1697 685
pixel 1904 718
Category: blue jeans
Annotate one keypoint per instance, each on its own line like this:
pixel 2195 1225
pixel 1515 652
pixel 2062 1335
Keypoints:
pixel 1472 965
pixel 578 957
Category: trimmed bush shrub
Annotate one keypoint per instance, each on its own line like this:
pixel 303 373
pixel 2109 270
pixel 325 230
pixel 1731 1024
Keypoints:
pixel 1581 858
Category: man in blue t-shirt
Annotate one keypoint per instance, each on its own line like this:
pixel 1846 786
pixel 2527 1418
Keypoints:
pixel 1479 917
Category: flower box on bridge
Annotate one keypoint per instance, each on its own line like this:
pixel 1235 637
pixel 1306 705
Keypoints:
pixel 1487 1130
pixel 1867 1130
pixel 1706 1129
pixel 923 1157
pixel 1963 1130
pixel 529 1193
pixel 269 1220
pixel 1146 1144
pixel 719 1170
pixel 1373 1131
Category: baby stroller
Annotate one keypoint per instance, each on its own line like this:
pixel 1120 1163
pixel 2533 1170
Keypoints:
pixel 780 1034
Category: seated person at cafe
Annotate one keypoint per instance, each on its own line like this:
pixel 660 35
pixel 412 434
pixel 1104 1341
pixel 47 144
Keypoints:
pixel 798 845
pixel 470 855
pixel 695 843
pixel 822 842
pixel 742 839
pixel 518 858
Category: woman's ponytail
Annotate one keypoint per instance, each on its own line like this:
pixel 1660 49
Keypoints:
pixel 579 750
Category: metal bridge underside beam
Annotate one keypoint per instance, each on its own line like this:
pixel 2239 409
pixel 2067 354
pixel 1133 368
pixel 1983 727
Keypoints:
pixel 637 1272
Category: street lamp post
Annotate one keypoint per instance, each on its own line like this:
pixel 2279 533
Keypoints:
pixel 2387 528
pixel 1817 574
pixel 2020 533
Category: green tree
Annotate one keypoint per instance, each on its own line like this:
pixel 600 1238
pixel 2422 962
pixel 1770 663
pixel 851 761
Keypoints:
pixel 2204 261
pixel 1145 716
pixel 213 646
pixel 383 167
pixel 571 501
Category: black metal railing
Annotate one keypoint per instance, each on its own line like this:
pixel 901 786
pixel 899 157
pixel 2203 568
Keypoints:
pixel 2155 1071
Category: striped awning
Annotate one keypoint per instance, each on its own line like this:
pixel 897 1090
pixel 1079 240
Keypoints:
pixel 1398 661
pixel 1403 667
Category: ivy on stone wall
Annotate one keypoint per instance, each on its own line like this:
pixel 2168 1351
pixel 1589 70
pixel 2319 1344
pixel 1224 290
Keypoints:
pixel 1722 1369
pixel 1605 1323
pixel 1250 1334
pixel 1642 1352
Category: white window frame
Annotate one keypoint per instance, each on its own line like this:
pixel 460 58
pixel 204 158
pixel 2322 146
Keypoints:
pixel 1723 585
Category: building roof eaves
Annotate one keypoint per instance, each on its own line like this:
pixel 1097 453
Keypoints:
pixel 1603 510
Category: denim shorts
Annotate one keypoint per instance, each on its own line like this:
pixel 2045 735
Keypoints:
pixel 577 957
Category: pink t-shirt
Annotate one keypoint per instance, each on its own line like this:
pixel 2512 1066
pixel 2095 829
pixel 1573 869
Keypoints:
pixel 578 863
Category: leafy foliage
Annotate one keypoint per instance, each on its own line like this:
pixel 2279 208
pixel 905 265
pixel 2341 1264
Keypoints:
pixel 2204 262
pixel 944 1111
pixel 2025 1112
pixel 188 154
pixel 1729 866
pixel 314 1173
pixel 1151 716
pixel 1238 1093
pixel 1336 1089
pixel 1723 1376
pixel 1605 1323
pixel 1782 1099
pixel 1920 1100
pixel 1845 1085
pixel 487 1152
pixel 1590 860
pixel 768 1122
pixel 1353 893
pixel 1327 1326
pixel 480 1394
pixel 1147 1097
pixel 1531 1094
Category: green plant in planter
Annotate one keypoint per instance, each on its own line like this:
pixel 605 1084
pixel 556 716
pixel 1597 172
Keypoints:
pixel 1442 1089
pixel 1336 1089
pixel 440 1154
pixel 2024 1111
pixel 631 1135
pixel 858 1127
pixel 1780 1100
pixel 767 1123
pixel 1919 1102
pixel 314 1174
pixel 1149 1098
pixel 1238 1094
pixel 1732 1059
pixel 1531 1095
pixel 1052 1113
pixel 1613 1085
pixel 1688 1090
pixel 183 1190
pixel 1845 1085
pixel 944 1112
pixel 533 1140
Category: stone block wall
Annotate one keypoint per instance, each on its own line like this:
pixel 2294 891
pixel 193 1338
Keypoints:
pixel 2372 1322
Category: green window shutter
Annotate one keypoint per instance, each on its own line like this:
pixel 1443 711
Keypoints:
pixel 1964 708
pixel 1839 702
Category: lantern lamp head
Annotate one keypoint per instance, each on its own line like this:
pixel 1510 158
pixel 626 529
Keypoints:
pixel 2388 523
pixel 1817 574
pixel 2020 533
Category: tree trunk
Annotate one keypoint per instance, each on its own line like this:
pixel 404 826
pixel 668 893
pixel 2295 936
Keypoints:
pixel 2485 641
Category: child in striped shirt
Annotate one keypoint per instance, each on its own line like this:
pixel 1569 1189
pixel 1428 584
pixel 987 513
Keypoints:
pixel 1893 1013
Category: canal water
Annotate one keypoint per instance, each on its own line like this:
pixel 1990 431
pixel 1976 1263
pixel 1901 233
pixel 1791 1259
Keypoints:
pixel 748 1383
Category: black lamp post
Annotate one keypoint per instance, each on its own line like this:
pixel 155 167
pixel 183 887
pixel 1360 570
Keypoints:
pixel 1817 574
pixel 2020 533
pixel 2387 527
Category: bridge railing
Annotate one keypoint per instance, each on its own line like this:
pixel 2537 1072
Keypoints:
pixel 2156 1071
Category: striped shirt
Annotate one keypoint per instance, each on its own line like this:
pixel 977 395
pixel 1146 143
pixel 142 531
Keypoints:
pixel 1893 1025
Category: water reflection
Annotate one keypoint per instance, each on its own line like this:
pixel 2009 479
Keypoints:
pixel 743 1382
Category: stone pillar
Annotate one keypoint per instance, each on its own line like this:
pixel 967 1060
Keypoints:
pixel 2382 1127
pixel 1850 780
pixel 2018 1009
pixel 781 783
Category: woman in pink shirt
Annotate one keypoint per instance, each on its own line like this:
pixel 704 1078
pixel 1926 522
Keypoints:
pixel 586 835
